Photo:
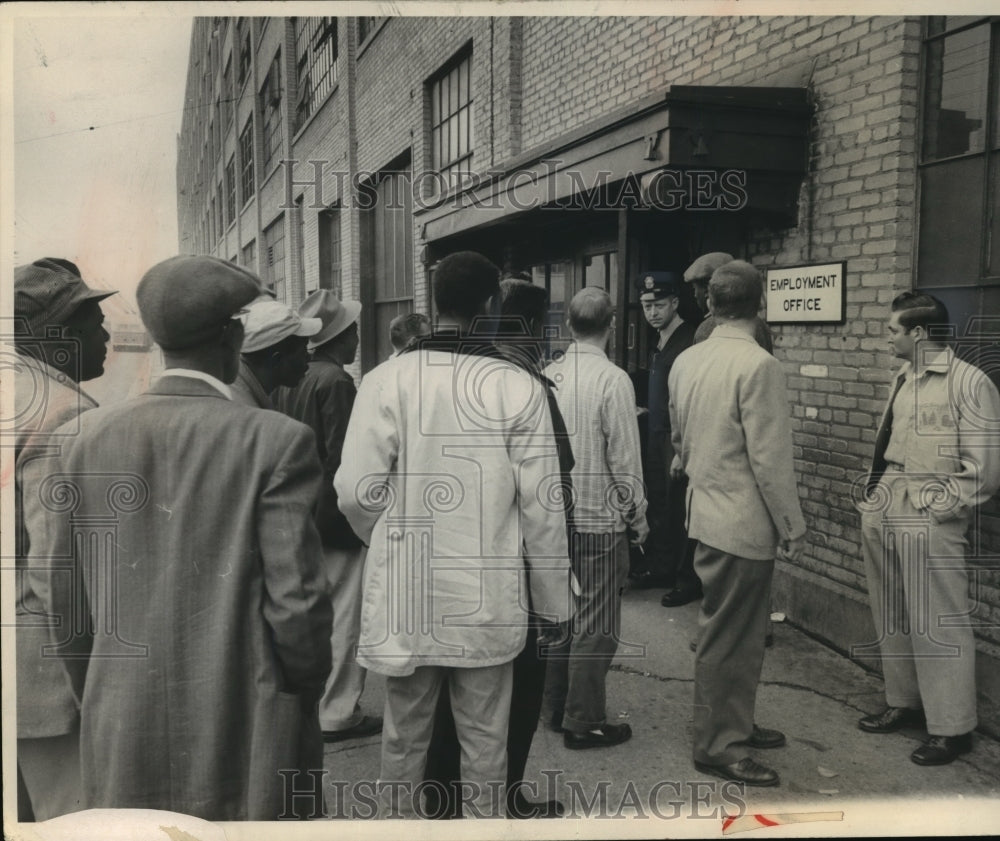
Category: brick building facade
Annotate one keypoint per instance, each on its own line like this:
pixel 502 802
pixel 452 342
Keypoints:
pixel 354 153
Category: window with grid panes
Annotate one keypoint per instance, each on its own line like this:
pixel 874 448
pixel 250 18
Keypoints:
pixel 330 250
pixel 270 114
pixel 960 154
pixel 250 255
pixel 246 162
pixel 219 209
pixel 228 105
pixel 272 257
pixel 366 26
pixel 315 63
pixel 243 36
pixel 230 190
pixel 452 134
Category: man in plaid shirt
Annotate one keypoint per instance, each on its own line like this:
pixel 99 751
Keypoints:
pixel 597 400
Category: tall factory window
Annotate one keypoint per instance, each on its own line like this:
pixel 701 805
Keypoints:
pixel 315 64
pixel 219 209
pixel 452 135
pixel 243 40
pixel 231 190
pixel 960 154
pixel 330 250
pixel 272 257
pixel 249 258
pixel 270 114
pixel 246 162
pixel 228 97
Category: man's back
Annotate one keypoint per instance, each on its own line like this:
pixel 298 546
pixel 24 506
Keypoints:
pixel 465 444
pixel 218 597
pixel 733 435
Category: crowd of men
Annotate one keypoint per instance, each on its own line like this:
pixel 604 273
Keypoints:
pixel 228 554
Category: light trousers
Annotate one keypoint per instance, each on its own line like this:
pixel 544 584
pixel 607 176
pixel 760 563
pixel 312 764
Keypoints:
pixel 918 585
pixel 340 707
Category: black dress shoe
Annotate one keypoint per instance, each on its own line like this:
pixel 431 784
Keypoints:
pixel 892 719
pixel 606 736
pixel 746 771
pixel 940 750
pixel 764 739
pixel 370 725
pixel 520 808
pixel 680 596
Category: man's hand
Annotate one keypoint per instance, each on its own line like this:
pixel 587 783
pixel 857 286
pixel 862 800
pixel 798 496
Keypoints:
pixel 552 633
pixel 676 471
pixel 791 550
pixel 638 532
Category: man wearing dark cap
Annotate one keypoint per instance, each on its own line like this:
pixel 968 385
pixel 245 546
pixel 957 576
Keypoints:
pixel 60 342
pixel 698 275
pixel 732 436
pixel 323 401
pixel 659 294
pixel 450 484
pixel 208 657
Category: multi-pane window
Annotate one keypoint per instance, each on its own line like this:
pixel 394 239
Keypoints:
pixel 243 37
pixel 212 233
pixel 250 255
pixel 230 190
pixel 246 162
pixel 228 105
pixel 270 113
pixel 392 248
pixel 452 135
pixel 315 63
pixel 366 26
pixel 960 154
pixel 273 257
pixel 330 250
pixel 219 207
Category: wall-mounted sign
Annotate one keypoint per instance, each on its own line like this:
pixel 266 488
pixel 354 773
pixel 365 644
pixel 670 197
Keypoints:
pixel 813 294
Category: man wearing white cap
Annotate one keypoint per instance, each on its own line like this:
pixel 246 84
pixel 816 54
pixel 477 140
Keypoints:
pixel 274 351
pixel 323 400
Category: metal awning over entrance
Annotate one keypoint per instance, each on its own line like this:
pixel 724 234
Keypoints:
pixel 696 148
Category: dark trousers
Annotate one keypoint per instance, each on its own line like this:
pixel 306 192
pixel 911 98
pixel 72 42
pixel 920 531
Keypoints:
pixel 666 551
pixel 443 754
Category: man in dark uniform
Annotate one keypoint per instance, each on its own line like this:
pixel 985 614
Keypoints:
pixel 659 294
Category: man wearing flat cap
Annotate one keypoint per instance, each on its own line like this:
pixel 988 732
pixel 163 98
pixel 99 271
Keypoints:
pixel 732 436
pixel 60 342
pixel 206 690
pixel 659 295
pixel 275 341
pixel 323 401
pixel 698 274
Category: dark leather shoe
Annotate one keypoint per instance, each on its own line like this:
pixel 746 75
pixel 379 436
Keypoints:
pixel 605 737
pixel 370 725
pixel 680 596
pixel 764 739
pixel 940 750
pixel 519 808
pixel 892 719
pixel 746 771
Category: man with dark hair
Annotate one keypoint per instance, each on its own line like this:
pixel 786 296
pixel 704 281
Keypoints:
pixel 48 295
pixel 274 351
pixel 447 482
pixel 522 315
pixel 936 458
pixel 732 435
pixel 597 399
pixel 406 329
pixel 323 400
pixel 202 695
pixel 659 295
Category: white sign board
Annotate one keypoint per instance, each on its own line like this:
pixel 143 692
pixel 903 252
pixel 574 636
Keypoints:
pixel 813 294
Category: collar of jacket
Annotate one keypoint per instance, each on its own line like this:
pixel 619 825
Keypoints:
pixel 455 343
pixel 727 331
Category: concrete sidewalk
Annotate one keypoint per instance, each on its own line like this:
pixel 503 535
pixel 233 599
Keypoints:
pixel 808 691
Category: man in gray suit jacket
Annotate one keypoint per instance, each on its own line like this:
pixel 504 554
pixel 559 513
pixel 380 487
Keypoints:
pixel 187 520
pixel 732 436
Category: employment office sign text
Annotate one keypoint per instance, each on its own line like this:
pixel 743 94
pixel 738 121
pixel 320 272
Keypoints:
pixel 812 294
